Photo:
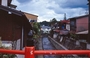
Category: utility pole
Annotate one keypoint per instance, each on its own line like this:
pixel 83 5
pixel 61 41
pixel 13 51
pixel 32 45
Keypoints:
pixel 64 16
pixel 89 22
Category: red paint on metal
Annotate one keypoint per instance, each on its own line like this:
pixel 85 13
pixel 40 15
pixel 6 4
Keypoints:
pixel 30 52
pixel 62 52
pixel 12 51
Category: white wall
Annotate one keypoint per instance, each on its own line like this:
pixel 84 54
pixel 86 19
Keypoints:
pixel 88 46
pixel 68 26
pixel 18 48
pixel 4 2
pixel 18 45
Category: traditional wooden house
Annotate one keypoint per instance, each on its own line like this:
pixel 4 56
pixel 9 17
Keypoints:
pixel 80 26
pixel 31 17
pixel 79 23
pixel 13 26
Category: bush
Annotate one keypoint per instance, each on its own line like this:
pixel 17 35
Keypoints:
pixel 4 55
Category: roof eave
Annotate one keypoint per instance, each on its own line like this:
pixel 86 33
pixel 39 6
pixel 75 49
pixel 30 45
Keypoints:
pixel 11 10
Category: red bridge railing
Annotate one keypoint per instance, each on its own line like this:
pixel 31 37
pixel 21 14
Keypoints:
pixel 30 52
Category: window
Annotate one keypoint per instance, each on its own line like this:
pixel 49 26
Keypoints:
pixel 4 2
pixel 72 23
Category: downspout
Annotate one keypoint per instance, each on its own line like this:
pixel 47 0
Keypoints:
pixel 89 22
pixel 21 40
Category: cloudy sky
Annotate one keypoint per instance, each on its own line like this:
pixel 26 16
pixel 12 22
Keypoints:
pixel 49 9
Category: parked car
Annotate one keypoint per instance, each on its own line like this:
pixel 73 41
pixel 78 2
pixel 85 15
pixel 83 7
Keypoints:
pixel 45 29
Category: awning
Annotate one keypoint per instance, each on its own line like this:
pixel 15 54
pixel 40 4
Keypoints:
pixel 83 32
pixel 65 21
pixel 11 10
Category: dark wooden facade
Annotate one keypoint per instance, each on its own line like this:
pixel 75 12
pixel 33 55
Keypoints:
pixel 73 24
pixel 11 25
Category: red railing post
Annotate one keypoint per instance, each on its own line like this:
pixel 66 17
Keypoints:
pixel 89 55
pixel 29 52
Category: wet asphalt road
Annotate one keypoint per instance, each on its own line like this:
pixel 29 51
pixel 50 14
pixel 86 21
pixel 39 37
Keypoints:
pixel 48 46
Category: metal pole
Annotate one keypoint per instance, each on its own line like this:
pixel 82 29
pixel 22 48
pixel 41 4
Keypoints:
pixel 89 22
pixel 59 52
pixel 21 40
pixel 12 51
pixel 30 52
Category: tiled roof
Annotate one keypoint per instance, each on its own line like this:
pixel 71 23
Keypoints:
pixel 79 17
pixel 11 10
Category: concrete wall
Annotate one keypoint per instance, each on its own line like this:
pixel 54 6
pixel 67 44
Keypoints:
pixel 57 45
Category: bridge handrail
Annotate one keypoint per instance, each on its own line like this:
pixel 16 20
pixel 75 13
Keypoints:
pixel 30 52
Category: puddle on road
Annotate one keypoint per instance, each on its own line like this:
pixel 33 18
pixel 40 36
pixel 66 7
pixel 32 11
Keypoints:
pixel 48 46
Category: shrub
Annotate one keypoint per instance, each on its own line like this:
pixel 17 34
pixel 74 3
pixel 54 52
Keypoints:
pixel 4 55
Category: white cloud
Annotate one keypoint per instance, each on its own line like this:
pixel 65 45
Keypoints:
pixel 48 9
pixel 15 2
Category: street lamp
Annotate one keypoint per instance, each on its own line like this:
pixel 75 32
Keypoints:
pixel 89 22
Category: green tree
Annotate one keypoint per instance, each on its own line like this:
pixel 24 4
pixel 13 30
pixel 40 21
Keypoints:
pixel 36 27
pixel 53 21
pixel 45 23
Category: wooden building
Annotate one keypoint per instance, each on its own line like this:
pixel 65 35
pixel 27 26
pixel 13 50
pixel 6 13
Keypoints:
pixel 31 17
pixel 79 23
pixel 80 26
pixel 13 25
